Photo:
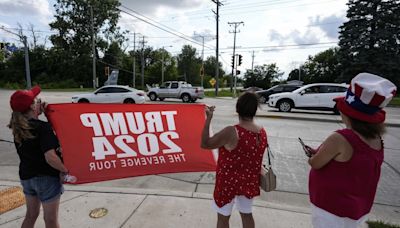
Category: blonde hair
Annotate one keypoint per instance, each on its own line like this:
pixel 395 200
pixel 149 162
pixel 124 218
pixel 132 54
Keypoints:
pixel 20 127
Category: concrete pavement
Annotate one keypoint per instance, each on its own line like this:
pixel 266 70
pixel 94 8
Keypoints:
pixel 147 208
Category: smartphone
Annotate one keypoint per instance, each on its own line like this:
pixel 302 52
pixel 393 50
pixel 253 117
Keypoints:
pixel 305 148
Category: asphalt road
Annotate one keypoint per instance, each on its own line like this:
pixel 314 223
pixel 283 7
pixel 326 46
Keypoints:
pixel 289 160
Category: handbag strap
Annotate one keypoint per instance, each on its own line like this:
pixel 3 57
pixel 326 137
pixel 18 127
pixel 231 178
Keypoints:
pixel 268 154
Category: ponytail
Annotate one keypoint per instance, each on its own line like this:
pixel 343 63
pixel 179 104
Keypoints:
pixel 20 127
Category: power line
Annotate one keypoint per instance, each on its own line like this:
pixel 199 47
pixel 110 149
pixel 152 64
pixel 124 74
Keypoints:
pixel 166 28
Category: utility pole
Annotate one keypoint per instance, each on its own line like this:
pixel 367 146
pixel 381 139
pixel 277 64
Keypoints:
pixel 235 24
pixel 93 47
pixel 202 60
pixel 299 72
pixel 134 61
pixel 162 63
pixel 143 63
pixel 27 68
pixel 252 63
pixel 218 3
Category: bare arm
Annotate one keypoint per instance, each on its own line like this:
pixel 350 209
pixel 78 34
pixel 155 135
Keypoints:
pixel 220 139
pixel 329 149
pixel 54 161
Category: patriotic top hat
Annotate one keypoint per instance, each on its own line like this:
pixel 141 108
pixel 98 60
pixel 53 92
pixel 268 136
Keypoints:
pixel 367 95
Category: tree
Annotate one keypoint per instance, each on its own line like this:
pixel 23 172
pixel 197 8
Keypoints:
pixel 370 40
pixel 262 76
pixel 189 65
pixel 209 67
pixel 74 37
pixel 323 67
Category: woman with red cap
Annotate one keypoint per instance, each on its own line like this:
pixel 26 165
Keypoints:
pixel 347 165
pixel 41 167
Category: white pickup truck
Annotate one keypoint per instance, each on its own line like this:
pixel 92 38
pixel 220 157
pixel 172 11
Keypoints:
pixel 176 89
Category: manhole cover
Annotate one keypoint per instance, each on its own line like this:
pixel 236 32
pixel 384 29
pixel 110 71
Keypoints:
pixel 98 213
pixel 11 198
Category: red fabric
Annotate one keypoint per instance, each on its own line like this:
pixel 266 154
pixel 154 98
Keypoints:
pixel 21 100
pixel 347 189
pixel 126 140
pixel 346 109
pixel 238 170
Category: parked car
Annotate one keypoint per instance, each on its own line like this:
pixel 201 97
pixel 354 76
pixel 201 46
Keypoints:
pixel 264 94
pixel 251 89
pixel 112 94
pixel 318 96
pixel 176 89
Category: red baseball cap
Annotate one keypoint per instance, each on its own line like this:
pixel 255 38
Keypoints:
pixel 21 100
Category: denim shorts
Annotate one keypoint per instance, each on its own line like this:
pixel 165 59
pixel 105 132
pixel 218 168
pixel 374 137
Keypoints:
pixel 46 188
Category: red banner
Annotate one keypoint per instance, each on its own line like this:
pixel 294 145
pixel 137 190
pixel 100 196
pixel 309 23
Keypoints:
pixel 110 141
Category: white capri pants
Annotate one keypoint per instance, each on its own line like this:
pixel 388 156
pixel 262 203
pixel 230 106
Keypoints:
pixel 324 219
pixel 242 203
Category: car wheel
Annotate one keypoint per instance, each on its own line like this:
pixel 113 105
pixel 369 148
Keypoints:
pixel 129 101
pixel 186 97
pixel 285 106
pixel 161 98
pixel 153 96
pixel 263 99
pixel 83 101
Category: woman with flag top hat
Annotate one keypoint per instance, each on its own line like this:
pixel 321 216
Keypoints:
pixel 41 168
pixel 346 167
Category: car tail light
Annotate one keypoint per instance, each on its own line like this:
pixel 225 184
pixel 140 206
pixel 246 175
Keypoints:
pixel 197 90
pixel 140 94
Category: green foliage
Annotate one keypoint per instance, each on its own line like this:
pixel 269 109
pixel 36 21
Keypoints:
pixel 323 67
pixel 189 65
pixel 262 76
pixel 395 102
pixel 209 67
pixel 380 224
pixel 73 42
pixel 369 41
pixel 221 93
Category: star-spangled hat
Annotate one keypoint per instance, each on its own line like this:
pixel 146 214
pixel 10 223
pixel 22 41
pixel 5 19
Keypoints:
pixel 366 97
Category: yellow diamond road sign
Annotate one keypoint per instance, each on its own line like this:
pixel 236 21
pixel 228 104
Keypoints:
pixel 212 81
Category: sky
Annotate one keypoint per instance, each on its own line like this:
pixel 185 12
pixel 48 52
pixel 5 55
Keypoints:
pixel 276 31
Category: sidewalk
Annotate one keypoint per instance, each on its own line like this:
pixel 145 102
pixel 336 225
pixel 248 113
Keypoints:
pixel 150 208
pixel 145 208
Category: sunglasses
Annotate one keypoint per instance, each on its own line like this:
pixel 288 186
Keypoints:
pixel 38 101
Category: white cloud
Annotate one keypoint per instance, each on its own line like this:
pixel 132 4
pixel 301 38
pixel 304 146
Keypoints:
pixel 38 9
pixel 329 25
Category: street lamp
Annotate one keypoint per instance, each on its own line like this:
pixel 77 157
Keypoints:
pixel 162 63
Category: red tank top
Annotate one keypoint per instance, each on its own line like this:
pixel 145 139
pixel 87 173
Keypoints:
pixel 238 170
pixel 347 189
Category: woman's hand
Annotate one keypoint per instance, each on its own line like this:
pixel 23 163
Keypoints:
pixel 210 111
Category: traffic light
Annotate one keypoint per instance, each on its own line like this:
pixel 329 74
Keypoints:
pixel 107 71
pixel 237 72
pixel 233 61
pixel 240 60
pixel 202 71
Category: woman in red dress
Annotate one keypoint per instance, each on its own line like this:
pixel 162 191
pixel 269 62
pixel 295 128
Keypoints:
pixel 241 149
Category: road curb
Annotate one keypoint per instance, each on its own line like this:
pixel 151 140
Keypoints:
pixel 314 119
pixel 166 193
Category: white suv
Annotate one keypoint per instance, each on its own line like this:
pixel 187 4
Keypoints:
pixel 318 96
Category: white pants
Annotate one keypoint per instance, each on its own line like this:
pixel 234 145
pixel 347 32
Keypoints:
pixel 324 219
pixel 242 204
